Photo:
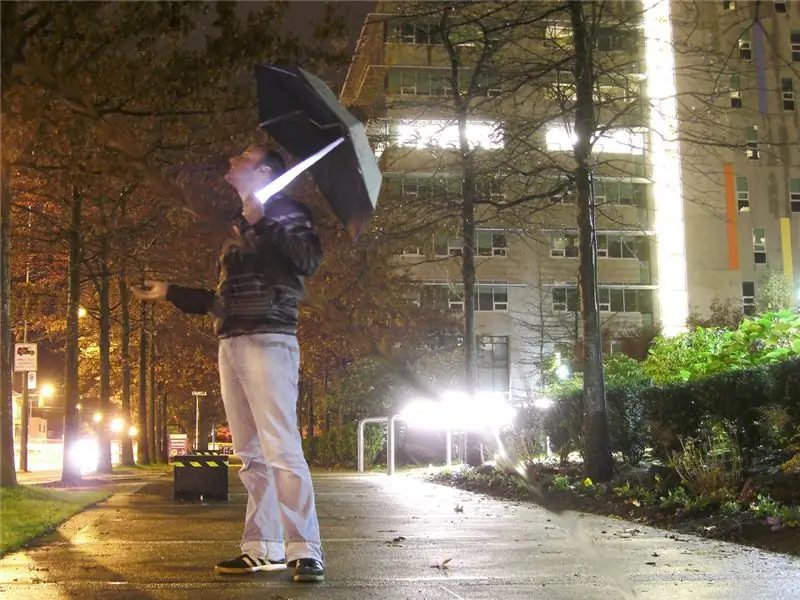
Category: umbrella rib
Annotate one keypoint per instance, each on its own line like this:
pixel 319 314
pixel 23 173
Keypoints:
pixel 294 113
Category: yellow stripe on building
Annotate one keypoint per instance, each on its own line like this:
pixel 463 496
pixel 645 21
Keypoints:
pixel 786 247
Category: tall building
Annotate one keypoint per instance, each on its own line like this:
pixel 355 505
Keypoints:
pixel 696 176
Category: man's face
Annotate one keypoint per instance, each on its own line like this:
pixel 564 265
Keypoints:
pixel 245 172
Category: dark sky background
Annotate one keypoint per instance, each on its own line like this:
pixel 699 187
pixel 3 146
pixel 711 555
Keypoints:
pixel 300 19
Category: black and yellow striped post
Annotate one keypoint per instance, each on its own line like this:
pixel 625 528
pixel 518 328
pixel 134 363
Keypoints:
pixel 201 477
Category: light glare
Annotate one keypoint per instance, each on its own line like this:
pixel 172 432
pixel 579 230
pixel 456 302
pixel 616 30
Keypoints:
pixel 612 141
pixel 666 172
pixel 444 134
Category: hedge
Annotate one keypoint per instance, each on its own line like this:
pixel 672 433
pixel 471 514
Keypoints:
pixel 338 447
pixel 659 416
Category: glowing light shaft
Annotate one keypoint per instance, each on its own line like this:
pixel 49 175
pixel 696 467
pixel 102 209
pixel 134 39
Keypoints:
pixel 275 186
pixel 666 167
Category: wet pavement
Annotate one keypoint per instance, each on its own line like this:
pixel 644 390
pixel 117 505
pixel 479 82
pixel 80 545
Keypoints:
pixel 384 538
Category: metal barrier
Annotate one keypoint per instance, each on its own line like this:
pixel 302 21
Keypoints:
pixel 390 442
pixel 200 477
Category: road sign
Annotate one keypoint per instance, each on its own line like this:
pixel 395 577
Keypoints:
pixel 178 444
pixel 198 393
pixel 25 357
pixel 31 380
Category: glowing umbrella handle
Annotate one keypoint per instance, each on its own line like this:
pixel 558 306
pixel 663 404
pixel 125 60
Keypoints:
pixel 275 186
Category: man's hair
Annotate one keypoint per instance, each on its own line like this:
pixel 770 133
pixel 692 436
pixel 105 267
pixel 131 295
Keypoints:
pixel 275 162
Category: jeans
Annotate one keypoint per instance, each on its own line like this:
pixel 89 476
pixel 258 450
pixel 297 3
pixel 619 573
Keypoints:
pixel 258 377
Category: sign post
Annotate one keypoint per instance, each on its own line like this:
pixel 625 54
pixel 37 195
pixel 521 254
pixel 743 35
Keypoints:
pixel 197 396
pixel 26 361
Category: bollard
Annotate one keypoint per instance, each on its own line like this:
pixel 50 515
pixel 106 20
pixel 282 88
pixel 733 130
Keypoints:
pixel 200 477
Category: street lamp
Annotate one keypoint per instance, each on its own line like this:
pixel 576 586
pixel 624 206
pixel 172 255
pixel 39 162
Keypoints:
pixel 98 416
pixel 117 425
pixel 82 312
pixel 46 390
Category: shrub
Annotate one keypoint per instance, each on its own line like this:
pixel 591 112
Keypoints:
pixel 338 447
pixel 710 464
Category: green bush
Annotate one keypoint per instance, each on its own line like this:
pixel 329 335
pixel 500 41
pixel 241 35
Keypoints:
pixel 641 415
pixel 338 447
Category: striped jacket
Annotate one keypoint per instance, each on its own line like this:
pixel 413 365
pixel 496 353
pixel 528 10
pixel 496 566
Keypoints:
pixel 261 274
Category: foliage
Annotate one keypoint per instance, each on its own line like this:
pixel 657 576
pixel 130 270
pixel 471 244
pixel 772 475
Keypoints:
pixel 338 447
pixel 722 315
pixel 775 294
pixel 710 464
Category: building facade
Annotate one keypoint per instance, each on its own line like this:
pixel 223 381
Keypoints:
pixel 696 178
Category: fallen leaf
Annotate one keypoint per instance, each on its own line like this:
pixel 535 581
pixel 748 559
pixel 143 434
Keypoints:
pixel 651 563
pixel 459 508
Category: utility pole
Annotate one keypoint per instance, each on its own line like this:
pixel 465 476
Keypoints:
pixel 197 396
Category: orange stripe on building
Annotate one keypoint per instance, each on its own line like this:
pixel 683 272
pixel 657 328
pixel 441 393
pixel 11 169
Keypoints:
pixel 730 218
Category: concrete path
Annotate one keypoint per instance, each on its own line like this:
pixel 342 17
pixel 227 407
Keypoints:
pixel 385 539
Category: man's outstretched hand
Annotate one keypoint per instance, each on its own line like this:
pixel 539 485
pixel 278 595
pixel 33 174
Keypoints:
pixel 151 290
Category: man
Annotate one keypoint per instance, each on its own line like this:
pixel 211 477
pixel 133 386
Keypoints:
pixel 255 309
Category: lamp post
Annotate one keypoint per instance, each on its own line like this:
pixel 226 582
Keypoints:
pixel 197 396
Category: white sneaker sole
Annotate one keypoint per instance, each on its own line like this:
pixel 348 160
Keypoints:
pixel 247 570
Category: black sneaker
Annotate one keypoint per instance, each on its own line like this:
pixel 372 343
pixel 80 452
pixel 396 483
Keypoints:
pixel 307 569
pixel 247 564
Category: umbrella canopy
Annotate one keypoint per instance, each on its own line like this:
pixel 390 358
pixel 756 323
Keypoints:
pixel 303 115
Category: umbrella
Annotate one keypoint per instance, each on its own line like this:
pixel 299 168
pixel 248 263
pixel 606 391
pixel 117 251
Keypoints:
pixel 303 115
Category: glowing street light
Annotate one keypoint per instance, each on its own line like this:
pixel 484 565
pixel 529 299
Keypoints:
pixel 98 416
pixel 82 312
pixel 117 425
pixel 133 432
pixel 47 390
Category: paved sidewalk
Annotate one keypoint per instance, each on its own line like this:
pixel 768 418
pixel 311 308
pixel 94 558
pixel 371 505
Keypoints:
pixel 142 545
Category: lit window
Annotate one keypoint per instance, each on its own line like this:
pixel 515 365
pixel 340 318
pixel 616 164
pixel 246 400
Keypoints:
pixel 612 141
pixel 751 134
pixel 742 194
pixel 564 245
pixel 787 94
pixel 794 194
pixel 736 91
pixel 493 363
pixel 745 47
pixel 759 247
pixel 444 134
pixel 748 297
pixel 728 5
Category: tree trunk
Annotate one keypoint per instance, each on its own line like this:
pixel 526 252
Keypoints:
pixel 599 464
pixel 8 469
pixel 143 450
pixel 126 449
pixel 71 470
pixel 310 409
pixel 151 396
pixel 164 430
pixel 104 439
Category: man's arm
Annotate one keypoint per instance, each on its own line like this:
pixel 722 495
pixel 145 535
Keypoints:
pixel 194 301
pixel 293 236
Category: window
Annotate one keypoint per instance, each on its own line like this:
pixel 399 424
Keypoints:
pixel 794 194
pixel 619 246
pixel 617 39
pixel 751 134
pixel 491 242
pixel 444 245
pixel 420 82
pixel 795 38
pixel 759 247
pixel 787 94
pixel 489 188
pixel 408 32
pixel 736 91
pixel 742 194
pixel 564 245
pixel 565 299
pixel 620 193
pixel 455 299
pixel 728 5
pixel 745 47
pixel 610 299
pixel 493 363
pixel 748 297
pixel 780 6
pixel 491 298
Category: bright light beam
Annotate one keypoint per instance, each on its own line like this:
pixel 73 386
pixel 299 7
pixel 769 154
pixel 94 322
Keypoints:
pixel 665 154
pixel 276 185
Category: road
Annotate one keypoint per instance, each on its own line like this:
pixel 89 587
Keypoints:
pixel 385 538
